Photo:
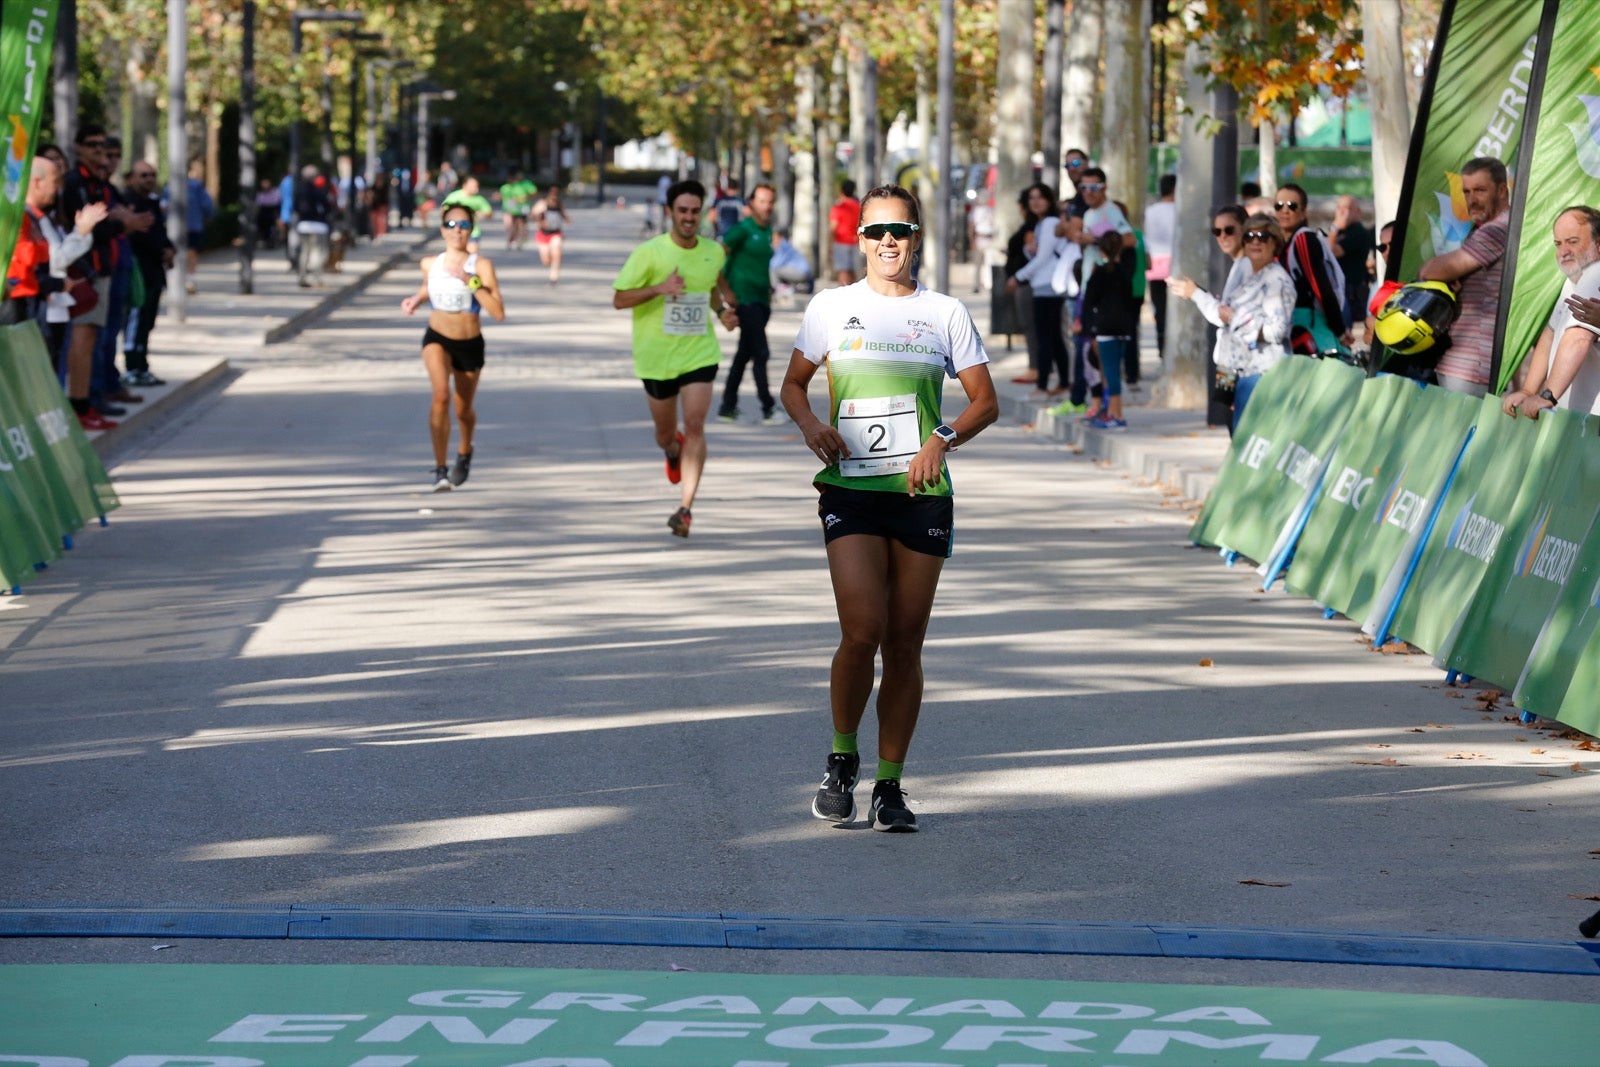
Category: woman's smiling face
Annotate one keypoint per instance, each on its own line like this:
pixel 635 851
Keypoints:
pixel 888 256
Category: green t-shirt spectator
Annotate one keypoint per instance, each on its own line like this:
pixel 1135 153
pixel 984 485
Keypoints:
pixel 481 208
pixel 749 246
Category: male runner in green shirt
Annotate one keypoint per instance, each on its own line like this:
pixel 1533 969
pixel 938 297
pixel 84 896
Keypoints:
pixel 749 246
pixel 674 285
pixel 516 200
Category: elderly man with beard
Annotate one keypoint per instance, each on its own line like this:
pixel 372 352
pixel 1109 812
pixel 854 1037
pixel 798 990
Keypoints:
pixel 1475 269
pixel 1563 369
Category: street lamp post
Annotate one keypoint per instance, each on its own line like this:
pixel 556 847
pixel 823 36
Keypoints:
pixel 388 66
pixel 296 43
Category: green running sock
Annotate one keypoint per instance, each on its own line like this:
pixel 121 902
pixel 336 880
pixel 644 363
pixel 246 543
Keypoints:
pixel 889 770
pixel 844 742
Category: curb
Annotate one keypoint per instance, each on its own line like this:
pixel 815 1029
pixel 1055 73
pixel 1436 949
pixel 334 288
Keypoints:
pixel 1135 453
pixel 137 424
pixel 333 301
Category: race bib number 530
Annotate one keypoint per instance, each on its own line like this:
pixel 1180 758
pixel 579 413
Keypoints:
pixel 882 434
pixel 686 314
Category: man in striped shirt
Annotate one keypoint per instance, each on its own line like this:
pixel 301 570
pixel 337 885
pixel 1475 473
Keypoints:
pixel 1475 270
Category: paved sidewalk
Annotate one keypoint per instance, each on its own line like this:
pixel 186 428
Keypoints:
pixel 220 322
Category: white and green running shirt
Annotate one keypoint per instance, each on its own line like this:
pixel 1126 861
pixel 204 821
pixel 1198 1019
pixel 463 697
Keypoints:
pixel 887 358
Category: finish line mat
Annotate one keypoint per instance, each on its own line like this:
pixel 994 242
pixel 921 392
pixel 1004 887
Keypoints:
pixel 361 1016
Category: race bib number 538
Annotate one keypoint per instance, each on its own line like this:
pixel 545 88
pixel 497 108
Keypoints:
pixel 882 434
pixel 686 314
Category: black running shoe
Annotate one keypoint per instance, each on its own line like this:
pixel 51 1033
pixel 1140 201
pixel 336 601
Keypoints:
pixel 679 522
pixel 889 811
pixel 441 479
pixel 834 801
pixel 461 468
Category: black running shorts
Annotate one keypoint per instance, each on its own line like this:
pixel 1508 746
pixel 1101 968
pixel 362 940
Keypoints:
pixel 922 523
pixel 667 389
pixel 465 355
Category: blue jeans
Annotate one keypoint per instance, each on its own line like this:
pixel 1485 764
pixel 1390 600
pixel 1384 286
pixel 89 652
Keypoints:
pixel 1112 351
pixel 1242 389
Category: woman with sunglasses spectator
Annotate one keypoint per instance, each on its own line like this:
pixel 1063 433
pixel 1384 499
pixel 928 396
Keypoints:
pixel 1227 227
pixel 1259 315
pixel 885 505
pixel 459 285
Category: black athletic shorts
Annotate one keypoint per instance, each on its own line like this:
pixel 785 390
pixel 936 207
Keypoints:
pixel 666 390
pixel 465 355
pixel 922 523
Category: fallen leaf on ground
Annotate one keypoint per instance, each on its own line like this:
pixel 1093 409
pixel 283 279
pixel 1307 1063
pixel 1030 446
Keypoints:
pixel 1591 896
pixel 1594 852
pixel 1466 755
pixel 1277 885
pixel 1454 693
pixel 1387 761
pixel 1438 726
pixel 1527 809
pixel 1547 774
pixel 1416 730
pixel 1587 746
pixel 1378 744
pixel 1206 663
pixel 1536 751
pixel 1578 768
pixel 1520 740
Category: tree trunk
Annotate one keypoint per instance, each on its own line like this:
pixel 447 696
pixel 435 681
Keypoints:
pixel 934 244
pixel 1054 58
pixel 1126 133
pixel 1079 99
pixel 804 226
pixel 144 126
pixel 1267 142
pixel 1183 383
pixel 1386 95
pixel 863 83
pixel 1014 111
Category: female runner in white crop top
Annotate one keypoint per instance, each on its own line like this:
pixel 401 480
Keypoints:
pixel 552 219
pixel 458 286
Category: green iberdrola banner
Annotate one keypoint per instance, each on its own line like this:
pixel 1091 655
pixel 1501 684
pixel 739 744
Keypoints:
pixel 1379 492
pixel 1565 170
pixel 1552 518
pixel 27 37
pixel 1473 523
pixel 1285 437
pixel 1475 109
pixel 1548 679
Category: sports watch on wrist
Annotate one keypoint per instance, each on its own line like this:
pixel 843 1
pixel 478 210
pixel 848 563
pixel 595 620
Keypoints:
pixel 1545 394
pixel 947 435
pixel 474 282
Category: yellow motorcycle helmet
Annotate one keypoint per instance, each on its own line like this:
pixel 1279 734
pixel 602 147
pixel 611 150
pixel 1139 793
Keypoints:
pixel 1416 317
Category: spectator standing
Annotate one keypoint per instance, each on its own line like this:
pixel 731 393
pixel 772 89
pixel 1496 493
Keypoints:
pixel 663 183
pixel 86 185
pixel 106 388
pixel 1318 278
pixel 1019 250
pixel 1563 368
pixel 1042 274
pixel 1100 216
pixel 728 208
pixel 1257 324
pixel 843 219
pixel 313 212
pixel 1111 318
pixel 286 196
pixel 201 210
pixel 1351 243
pixel 748 244
pixel 1227 229
pixel 268 202
pixel 1476 268
pixel 153 255
pixel 1160 223
pixel 37 274
pixel 789 268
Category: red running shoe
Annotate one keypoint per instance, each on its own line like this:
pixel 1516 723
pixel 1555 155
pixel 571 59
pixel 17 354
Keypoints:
pixel 93 420
pixel 675 464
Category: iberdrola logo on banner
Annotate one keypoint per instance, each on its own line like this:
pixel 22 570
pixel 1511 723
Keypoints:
pixel 27 35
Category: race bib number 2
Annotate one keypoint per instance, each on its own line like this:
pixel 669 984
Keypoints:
pixel 882 434
pixel 686 314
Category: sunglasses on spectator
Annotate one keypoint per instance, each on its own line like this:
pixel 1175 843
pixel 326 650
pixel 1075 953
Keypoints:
pixel 1218 231
pixel 1076 163
pixel 456 224
pixel 900 231
pixel 1288 205
pixel 91 144
pixel 1257 235
pixel 1092 187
